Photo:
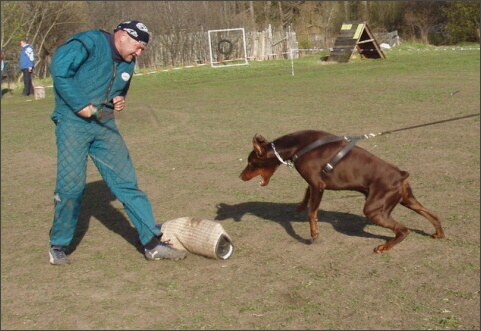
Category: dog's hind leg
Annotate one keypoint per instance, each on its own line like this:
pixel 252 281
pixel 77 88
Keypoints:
pixel 378 207
pixel 303 205
pixel 409 201
pixel 314 202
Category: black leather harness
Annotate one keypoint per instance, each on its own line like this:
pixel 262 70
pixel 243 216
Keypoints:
pixel 334 160
pixel 352 141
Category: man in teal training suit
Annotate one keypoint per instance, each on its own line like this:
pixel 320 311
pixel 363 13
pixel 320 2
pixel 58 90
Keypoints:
pixel 91 75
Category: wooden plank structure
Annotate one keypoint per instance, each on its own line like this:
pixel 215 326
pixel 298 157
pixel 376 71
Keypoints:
pixel 353 37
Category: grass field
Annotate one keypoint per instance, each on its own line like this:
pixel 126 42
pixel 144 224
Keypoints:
pixel 189 132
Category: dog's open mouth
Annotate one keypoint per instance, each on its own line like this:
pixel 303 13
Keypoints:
pixel 265 175
pixel 264 180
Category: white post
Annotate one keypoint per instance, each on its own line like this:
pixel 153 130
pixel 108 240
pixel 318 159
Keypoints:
pixel 292 54
pixel 292 63
pixel 210 50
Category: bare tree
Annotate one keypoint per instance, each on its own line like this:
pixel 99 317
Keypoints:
pixel 179 28
pixel 320 20
pixel 38 22
pixel 14 19
pixel 287 12
pixel 50 18
pixel 421 17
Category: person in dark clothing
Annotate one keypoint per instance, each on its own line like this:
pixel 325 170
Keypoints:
pixel 27 64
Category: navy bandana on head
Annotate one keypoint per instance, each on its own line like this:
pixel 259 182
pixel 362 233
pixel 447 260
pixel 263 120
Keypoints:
pixel 136 29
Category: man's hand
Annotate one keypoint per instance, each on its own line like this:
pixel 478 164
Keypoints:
pixel 88 111
pixel 119 102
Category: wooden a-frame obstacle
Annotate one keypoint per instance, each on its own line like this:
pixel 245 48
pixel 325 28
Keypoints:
pixel 355 37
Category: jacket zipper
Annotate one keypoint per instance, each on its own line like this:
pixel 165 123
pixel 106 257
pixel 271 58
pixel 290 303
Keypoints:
pixel 106 102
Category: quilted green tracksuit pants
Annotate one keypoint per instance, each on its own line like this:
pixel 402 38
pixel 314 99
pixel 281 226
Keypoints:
pixel 76 140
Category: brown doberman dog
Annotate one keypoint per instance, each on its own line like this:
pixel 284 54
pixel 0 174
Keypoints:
pixel 329 162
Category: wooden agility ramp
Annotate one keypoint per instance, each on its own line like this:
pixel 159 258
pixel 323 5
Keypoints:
pixel 355 37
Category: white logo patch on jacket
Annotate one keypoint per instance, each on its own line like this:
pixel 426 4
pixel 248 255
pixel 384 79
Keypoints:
pixel 125 76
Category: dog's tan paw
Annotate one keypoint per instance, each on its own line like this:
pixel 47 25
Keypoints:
pixel 438 236
pixel 380 249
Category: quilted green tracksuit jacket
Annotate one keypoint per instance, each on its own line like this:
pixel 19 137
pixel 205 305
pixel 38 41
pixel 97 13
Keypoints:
pixel 99 80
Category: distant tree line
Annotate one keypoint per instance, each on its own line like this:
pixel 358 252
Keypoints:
pixel 47 24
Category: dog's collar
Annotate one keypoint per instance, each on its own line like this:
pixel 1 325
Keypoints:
pixel 288 163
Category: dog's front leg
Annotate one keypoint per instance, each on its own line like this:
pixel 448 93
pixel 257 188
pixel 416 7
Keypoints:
pixel 314 202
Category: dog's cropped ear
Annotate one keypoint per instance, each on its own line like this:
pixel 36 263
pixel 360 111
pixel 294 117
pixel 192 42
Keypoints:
pixel 259 139
pixel 259 144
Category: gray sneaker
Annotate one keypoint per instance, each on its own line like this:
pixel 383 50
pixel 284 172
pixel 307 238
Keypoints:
pixel 164 251
pixel 58 255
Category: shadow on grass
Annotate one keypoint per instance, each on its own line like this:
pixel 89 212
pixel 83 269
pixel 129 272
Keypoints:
pixel 285 213
pixel 97 203
pixel 5 91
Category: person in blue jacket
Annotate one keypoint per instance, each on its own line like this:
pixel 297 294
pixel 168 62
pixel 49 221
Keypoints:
pixel 27 64
pixel 91 75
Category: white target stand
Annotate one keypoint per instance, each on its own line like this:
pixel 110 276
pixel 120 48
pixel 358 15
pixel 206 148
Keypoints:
pixel 227 48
